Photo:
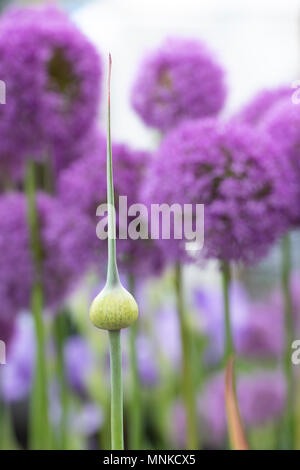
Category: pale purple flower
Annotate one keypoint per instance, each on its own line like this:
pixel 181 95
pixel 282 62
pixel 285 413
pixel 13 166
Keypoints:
pixel 147 361
pixel 79 361
pixel 178 81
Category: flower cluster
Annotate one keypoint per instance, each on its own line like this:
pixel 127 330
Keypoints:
pixel 180 80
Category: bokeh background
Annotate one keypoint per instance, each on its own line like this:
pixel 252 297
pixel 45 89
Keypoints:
pixel 257 44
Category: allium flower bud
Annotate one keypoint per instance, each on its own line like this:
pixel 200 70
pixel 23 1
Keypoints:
pixel 114 308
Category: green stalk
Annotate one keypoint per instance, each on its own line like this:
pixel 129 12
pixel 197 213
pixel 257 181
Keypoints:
pixel 40 428
pixel 286 263
pixel 188 386
pixel 117 440
pixel 229 345
pixel 135 412
pixel 61 373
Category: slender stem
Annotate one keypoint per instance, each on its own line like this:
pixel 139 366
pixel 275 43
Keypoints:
pixel 188 386
pixel 39 408
pixel 59 329
pixel 135 424
pixel 112 269
pixel 288 420
pixel 117 440
pixel 116 391
pixel 229 344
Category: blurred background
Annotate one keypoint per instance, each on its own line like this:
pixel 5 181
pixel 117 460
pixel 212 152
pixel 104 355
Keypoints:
pixel 258 44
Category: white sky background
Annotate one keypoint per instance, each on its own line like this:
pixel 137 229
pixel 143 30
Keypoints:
pixel 258 42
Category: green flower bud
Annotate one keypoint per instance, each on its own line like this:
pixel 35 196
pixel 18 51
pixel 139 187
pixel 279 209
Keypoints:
pixel 114 308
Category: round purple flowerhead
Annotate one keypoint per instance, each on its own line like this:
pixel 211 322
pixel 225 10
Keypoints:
pixel 65 247
pixel 52 76
pixel 232 170
pixel 178 81
pixel 83 187
pixel 254 112
pixel 282 123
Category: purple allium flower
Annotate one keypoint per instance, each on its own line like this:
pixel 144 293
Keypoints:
pixel 87 178
pixel 180 80
pixel 231 169
pixel 254 112
pixel 17 374
pixel 282 123
pixel 52 75
pixel 146 360
pixel 261 399
pixel 79 361
pixel 65 248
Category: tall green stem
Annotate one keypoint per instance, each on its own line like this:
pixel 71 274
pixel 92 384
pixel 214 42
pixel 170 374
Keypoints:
pixel 61 373
pixel 39 407
pixel 188 387
pixel 117 441
pixel 229 344
pixel 286 266
pixel 135 425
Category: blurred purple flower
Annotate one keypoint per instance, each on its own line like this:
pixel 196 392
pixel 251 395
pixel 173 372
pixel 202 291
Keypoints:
pixel 261 398
pixel 147 361
pixel 52 75
pixel 254 112
pixel 178 81
pixel 65 247
pixel 78 361
pixel 232 170
pixel 262 335
pixel 167 335
pixel 258 328
pixel 88 421
pixel 210 303
pixel 282 123
pixel 17 374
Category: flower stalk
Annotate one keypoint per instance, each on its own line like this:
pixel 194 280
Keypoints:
pixel 40 428
pixel 114 307
pixel 229 344
pixel 286 266
pixel 188 385
pixel 135 413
